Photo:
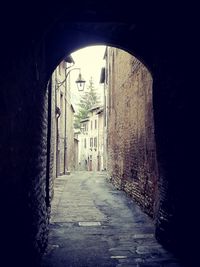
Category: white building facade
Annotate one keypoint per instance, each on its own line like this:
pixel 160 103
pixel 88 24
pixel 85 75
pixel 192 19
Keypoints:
pixel 63 120
pixel 91 141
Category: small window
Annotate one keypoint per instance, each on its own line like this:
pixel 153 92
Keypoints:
pixel 95 124
pixel 91 142
pixel 95 142
pixel 85 143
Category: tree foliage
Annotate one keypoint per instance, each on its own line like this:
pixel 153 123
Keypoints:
pixel 88 100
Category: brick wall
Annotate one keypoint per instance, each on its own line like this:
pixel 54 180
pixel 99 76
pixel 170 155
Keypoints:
pixel 23 163
pixel 131 146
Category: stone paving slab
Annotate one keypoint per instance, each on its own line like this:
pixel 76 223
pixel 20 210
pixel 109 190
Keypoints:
pixel 95 225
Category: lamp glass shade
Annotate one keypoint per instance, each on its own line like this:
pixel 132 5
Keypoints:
pixel 80 82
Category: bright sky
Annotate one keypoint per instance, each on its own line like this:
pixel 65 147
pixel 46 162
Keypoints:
pixel 90 60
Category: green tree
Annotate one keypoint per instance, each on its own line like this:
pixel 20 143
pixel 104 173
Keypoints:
pixel 88 100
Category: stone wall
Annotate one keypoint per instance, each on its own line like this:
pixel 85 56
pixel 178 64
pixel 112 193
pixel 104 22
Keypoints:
pixel 24 163
pixel 131 146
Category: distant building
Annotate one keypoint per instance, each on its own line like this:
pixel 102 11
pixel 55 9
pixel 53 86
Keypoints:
pixel 76 150
pixel 83 146
pixel 91 141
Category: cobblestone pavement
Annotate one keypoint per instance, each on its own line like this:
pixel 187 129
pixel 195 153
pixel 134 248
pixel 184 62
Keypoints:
pixel 95 225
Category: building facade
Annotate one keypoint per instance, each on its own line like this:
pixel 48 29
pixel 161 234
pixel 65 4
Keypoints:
pixel 131 150
pixel 63 120
pixel 91 141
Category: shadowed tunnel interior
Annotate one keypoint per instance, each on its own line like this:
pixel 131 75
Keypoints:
pixel 35 39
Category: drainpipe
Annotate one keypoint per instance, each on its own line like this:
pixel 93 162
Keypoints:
pixel 58 113
pixel 65 137
pixel 98 163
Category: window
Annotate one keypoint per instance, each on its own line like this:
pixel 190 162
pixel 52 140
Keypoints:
pixel 84 126
pixel 91 125
pixel 85 143
pixel 95 142
pixel 91 142
pixel 95 124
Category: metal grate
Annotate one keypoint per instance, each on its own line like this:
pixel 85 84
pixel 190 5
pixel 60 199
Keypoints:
pixel 89 223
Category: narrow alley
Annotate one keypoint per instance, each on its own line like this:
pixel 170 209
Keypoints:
pixel 94 224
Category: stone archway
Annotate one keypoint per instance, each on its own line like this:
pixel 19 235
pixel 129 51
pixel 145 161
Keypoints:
pixel 26 67
pixel 77 35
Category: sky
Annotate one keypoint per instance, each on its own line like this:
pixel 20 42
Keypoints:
pixel 90 60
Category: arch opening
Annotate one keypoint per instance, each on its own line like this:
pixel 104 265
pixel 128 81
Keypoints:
pixel 166 100
pixel 115 131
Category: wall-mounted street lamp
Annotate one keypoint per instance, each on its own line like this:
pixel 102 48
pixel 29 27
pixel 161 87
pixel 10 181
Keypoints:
pixel 80 81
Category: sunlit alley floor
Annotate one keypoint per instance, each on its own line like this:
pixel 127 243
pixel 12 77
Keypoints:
pixel 93 224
